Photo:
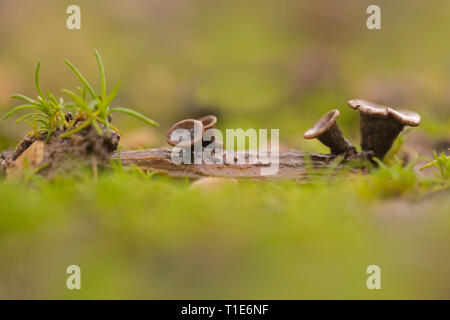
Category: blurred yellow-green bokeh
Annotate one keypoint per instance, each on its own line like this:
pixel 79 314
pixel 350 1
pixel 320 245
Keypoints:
pixel 260 64
pixel 265 64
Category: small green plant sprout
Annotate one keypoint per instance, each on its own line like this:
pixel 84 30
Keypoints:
pixel 96 109
pixel 392 181
pixel 442 162
pixel 47 115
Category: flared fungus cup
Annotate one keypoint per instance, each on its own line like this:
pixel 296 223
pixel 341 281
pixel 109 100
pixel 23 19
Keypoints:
pixel 185 133
pixel 380 125
pixel 327 131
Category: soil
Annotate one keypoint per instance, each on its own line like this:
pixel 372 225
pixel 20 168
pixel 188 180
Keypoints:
pixel 5 157
pixel 63 154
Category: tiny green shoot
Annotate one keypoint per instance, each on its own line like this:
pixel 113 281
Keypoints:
pixel 48 114
pixel 442 162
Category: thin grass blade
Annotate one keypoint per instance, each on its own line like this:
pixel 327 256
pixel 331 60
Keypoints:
pixel 24 98
pixel 36 80
pixel 97 128
pixel 82 78
pixel 81 127
pixel 101 70
pixel 21 107
pixel 107 101
pixel 135 114
pixel 77 99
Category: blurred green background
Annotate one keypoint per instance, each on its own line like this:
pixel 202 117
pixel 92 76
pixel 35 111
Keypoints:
pixel 261 64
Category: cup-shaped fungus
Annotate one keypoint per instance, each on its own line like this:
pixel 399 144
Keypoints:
pixel 328 132
pixel 185 133
pixel 380 125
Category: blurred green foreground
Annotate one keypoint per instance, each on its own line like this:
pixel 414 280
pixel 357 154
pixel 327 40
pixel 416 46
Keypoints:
pixel 135 235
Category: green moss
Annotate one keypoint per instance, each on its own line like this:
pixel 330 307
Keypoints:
pixel 149 236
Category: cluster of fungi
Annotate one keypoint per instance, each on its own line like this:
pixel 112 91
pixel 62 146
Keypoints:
pixel 379 127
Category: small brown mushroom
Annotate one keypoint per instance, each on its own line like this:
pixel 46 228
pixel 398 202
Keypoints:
pixel 328 132
pixel 174 138
pixel 380 125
